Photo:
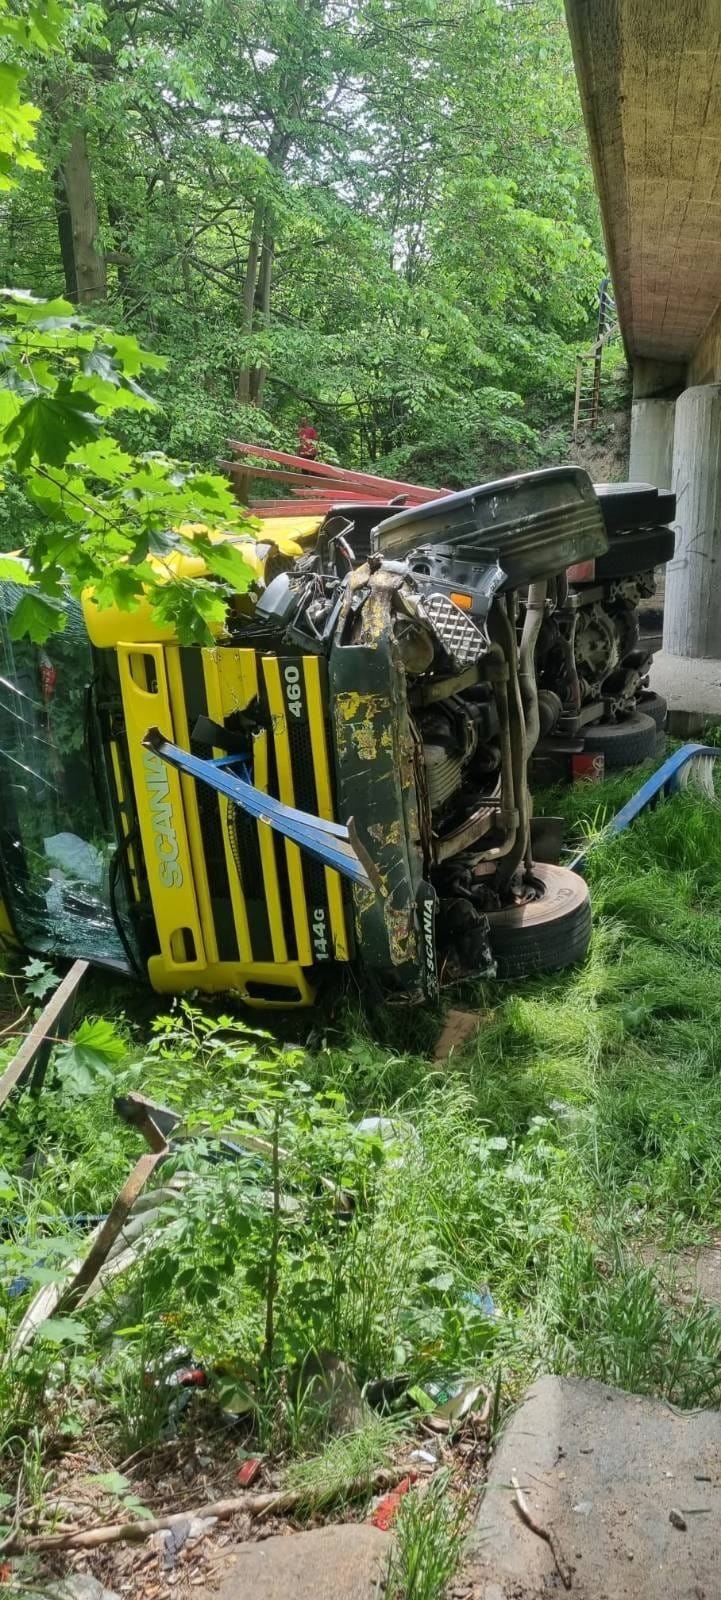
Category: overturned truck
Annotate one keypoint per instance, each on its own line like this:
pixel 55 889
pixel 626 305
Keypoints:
pixel 340 778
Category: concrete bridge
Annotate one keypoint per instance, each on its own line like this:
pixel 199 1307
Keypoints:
pixel 649 73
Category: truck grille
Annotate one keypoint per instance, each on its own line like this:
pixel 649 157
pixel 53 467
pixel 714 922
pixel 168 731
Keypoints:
pixel 270 902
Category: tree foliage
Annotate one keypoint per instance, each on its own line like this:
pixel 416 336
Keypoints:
pixel 112 520
pixel 375 213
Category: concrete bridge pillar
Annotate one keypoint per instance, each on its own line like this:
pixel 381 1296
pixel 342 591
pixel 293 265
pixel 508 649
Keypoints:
pixel 651 456
pixel 692 617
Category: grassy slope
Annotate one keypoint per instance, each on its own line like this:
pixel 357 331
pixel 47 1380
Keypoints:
pixel 583 1120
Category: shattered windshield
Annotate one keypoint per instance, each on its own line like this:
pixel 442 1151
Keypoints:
pixel 55 849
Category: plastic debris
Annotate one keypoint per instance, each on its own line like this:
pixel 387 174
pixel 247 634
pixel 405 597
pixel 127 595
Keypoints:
pixel 386 1510
pixel 248 1473
pixel 75 858
pixel 445 1403
pixel 482 1300
pixel 177 1370
pixel 397 1137
pixel 80 1586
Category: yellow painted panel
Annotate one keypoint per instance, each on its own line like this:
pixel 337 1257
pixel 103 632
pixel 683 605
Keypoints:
pixel 124 818
pixel 189 789
pixel 7 937
pixel 267 853
pixel 215 667
pixel 286 793
pixel 241 979
pixel 106 627
pixel 324 792
pixel 159 805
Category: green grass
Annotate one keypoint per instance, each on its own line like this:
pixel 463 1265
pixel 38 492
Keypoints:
pixel 581 1122
pixel 351 1459
pixel 429 1537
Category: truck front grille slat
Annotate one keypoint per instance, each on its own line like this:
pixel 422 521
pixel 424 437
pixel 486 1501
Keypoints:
pixel 294 909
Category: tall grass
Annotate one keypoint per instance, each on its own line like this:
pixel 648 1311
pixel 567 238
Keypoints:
pixel 582 1118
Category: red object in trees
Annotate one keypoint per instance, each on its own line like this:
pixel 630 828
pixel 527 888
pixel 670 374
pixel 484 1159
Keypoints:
pixel 48 677
pixel 308 441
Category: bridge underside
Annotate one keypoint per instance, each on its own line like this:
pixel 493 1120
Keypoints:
pixel 649 74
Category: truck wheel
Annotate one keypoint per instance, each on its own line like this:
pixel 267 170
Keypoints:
pixel 547 934
pixel 638 551
pixel 653 705
pixel 623 744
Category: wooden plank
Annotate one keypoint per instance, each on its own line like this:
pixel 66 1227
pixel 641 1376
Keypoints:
pixel 52 1298
pixel 45 1025
pixel 110 1228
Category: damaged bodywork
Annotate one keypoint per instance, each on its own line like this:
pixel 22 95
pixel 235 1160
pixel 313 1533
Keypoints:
pixel 341 777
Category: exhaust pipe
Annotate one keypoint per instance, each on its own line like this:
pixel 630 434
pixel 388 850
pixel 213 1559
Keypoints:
pixel 535 608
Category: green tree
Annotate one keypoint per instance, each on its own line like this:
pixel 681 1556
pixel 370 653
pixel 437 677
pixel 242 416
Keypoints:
pixel 377 212
pixel 61 377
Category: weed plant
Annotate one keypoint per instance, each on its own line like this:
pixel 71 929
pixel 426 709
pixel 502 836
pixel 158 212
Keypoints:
pixel 581 1124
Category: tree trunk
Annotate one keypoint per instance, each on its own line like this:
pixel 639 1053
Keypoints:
pixel 265 282
pixel 250 285
pixel 121 255
pixel 78 226
pixel 259 268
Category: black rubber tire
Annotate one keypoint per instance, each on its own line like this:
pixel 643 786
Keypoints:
pixel 635 552
pixel 623 744
pixel 654 706
pixel 548 934
pixel 626 506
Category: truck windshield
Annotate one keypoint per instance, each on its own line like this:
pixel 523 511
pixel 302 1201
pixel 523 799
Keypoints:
pixel 55 849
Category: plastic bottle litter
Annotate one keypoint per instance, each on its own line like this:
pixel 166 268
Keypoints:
pixel 483 1300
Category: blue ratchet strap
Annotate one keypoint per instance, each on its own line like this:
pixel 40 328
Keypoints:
pixel 328 842
pixel 667 780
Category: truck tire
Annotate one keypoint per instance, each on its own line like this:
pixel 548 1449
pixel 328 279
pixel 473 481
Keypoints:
pixel 623 744
pixel 626 506
pixel 636 552
pixel 653 705
pixel 547 934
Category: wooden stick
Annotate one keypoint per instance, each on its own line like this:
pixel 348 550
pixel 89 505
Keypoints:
pixel 548 1534
pixel 110 1228
pixel 254 1505
pixel 37 1037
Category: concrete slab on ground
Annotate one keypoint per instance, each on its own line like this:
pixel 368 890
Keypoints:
pixel 688 1272
pixel 603 1470
pixel 691 686
pixel 343 1562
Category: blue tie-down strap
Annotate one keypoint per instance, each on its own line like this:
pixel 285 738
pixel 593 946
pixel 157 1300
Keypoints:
pixel 329 842
pixel 691 760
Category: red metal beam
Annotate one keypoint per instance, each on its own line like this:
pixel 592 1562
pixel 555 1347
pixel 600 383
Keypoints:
pixel 305 508
pixel 382 489
pixel 390 486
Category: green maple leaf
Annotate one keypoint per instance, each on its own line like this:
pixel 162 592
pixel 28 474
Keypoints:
pixel 36 618
pixel 226 561
pixel 130 357
pixel 50 426
pixel 61 1330
pixel 13 571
